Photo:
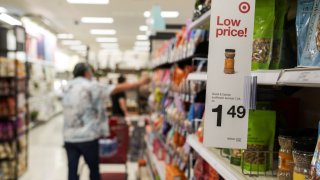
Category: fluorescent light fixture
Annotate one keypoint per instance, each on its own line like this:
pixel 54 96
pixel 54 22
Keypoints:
pixel 170 14
pixel 147 14
pixel 106 40
pixel 109 45
pixel 79 48
pixel 3 10
pixel 142 37
pixel 71 42
pixel 141 48
pixel 103 31
pixel 142 43
pixel 88 1
pixel 65 36
pixel 98 20
pixel 164 14
pixel 143 28
pixel 10 20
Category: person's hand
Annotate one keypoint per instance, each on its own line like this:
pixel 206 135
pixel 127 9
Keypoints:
pixel 144 80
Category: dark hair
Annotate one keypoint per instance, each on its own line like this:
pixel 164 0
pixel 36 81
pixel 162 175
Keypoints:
pixel 121 79
pixel 80 70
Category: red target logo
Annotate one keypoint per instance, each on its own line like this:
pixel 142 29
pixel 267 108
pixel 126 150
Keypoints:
pixel 244 7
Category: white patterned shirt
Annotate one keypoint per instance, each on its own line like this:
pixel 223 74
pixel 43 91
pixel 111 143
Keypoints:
pixel 84 107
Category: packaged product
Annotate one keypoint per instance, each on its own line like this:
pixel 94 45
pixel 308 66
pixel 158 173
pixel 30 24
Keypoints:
pixel 263 34
pixel 315 164
pixel 280 9
pixel 304 9
pixel 310 54
pixel 261 134
pixel 302 156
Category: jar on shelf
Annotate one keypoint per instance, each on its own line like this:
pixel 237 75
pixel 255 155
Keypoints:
pixel 229 61
pixel 302 156
pixel 286 164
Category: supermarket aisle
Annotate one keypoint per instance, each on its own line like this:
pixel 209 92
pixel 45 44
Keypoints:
pixel 47 158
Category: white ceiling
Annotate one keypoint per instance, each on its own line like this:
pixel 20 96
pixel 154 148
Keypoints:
pixel 127 14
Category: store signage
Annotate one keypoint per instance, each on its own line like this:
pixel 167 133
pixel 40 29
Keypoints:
pixel 226 119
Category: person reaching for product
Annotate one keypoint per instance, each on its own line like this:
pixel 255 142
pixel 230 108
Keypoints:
pixel 119 104
pixel 85 118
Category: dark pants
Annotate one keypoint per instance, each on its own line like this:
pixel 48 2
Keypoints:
pixel 90 152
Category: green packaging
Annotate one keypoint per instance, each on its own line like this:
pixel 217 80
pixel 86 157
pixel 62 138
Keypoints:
pixel 281 10
pixel 261 132
pixel 263 34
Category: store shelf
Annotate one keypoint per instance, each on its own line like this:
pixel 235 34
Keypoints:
pixel 268 77
pixel 219 163
pixel 168 63
pixel 198 76
pixel 202 22
pixel 302 77
pixel 159 165
pixel 305 77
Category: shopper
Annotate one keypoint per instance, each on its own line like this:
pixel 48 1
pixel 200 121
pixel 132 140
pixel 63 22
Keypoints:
pixel 119 104
pixel 85 118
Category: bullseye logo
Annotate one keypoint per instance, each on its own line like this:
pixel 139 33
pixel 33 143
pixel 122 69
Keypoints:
pixel 244 7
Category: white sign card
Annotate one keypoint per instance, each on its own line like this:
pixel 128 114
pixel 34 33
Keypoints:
pixel 230 52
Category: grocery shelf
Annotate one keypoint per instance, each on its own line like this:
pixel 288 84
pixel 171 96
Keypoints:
pixel 302 77
pixel 267 77
pixel 197 76
pixel 305 77
pixel 167 63
pixel 159 165
pixel 219 163
pixel 202 22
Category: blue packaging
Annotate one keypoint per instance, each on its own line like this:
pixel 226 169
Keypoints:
pixel 311 51
pixel 304 11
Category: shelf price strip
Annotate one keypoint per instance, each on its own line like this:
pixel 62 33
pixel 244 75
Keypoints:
pixel 229 62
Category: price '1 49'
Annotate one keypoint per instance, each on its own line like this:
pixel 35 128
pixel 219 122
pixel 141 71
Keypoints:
pixel 234 112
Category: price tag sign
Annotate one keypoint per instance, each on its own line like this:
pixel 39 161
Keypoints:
pixel 230 54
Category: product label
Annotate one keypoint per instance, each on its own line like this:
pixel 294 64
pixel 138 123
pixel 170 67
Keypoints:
pixel 230 51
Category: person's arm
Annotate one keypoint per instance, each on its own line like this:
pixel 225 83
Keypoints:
pixel 128 86
pixel 123 106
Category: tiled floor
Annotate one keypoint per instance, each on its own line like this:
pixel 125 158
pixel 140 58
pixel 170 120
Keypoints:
pixel 47 158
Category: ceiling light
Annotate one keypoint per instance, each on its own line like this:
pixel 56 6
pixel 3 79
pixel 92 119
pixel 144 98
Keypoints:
pixel 100 20
pixel 143 28
pixel 142 37
pixel 164 14
pixel 10 20
pixel 88 1
pixel 106 40
pixel 141 48
pixel 65 36
pixel 3 10
pixel 79 48
pixel 103 31
pixel 147 14
pixel 109 45
pixel 170 14
pixel 71 42
pixel 142 43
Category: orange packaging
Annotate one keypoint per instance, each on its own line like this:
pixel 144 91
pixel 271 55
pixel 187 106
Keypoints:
pixel 285 161
pixel 173 173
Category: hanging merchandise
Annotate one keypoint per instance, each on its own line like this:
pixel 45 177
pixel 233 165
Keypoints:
pixel 261 132
pixel 311 51
pixel 281 10
pixel 263 34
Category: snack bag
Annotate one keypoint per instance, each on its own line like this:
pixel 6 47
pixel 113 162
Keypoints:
pixel 311 52
pixel 263 34
pixel 261 132
pixel 304 10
